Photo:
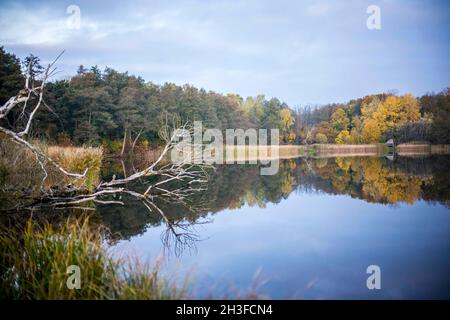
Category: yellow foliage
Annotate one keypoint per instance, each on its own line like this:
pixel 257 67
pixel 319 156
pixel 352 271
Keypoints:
pixel 369 105
pixel 397 111
pixel 339 120
pixel 379 182
pixel 292 137
pixel 343 164
pixel 287 121
pixel 380 117
pixel 383 184
pixel 371 131
pixel 343 137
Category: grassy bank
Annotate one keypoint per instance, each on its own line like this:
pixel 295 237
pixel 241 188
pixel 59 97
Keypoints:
pixel 422 149
pixel 273 152
pixel 22 177
pixel 77 159
pixel 332 150
pixel 295 151
pixel 263 152
pixel 34 262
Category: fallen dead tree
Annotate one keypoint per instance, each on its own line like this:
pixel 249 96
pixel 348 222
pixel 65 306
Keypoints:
pixel 190 175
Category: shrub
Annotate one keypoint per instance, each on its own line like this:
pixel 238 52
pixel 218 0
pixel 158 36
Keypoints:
pixel 112 146
pixel 343 137
pixel 321 138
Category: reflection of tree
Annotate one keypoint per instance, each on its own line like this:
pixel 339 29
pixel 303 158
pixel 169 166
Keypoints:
pixel 228 187
pixel 178 214
pixel 232 186
pixel 405 179
pixel 384 185
pixel 436 185
pixel 179 234
pixel 382 181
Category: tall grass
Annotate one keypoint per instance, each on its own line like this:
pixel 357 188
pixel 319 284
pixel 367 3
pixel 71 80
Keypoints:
pixel 34 262
pixel 77 159
pixel 332 150
pixel 21 176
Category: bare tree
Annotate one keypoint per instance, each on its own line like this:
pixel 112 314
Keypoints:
pixel 188 171
pixel 175 182
pixel 23 101
pixel 309 131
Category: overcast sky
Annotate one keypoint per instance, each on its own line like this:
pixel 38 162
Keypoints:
pixel 299 51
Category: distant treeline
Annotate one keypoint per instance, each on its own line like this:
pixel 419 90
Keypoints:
pixel 377 118
pixel 109 107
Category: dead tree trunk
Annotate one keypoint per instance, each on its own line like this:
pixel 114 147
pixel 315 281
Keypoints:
pixel 189 170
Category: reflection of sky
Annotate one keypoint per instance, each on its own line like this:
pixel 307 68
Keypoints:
pixel 318 246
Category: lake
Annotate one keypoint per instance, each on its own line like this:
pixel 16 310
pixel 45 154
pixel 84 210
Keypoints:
pixel 308 232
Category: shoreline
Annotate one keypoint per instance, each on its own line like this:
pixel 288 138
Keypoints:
pixel 335 150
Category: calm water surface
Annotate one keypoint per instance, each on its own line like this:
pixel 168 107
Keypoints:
pixel 308 232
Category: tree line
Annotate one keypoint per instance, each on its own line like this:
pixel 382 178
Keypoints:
pixel 377 118
pixel 115 108
pixel 96 106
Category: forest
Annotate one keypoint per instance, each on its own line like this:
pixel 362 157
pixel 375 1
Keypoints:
pixel 117 110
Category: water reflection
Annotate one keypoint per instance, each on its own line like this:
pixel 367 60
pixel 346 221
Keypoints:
pixel 312 229
pixel 373 179
pixel 384 180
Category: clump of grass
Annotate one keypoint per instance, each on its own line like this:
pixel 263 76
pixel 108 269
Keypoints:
pixel 21 176
pixel 142 281
pixel 34 262
pixel 77 159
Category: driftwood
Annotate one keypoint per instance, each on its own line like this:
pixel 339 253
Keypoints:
pixel 181 171
pixel 190 172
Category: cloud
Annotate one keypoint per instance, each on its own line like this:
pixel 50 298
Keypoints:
pixel 296 51
pixel 48 27
pixel 168 28
pixel 318 9
pixel 25 27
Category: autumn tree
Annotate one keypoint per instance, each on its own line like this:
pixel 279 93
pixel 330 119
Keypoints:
pixel 356 133
pixel 321 138
pixel 287 121
pixel 340 120
pixel 343 137
pixel 397 111
pixel 436 108
pixel 371 132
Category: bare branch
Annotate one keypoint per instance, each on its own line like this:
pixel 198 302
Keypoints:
pixel 190 173
pixel 24 97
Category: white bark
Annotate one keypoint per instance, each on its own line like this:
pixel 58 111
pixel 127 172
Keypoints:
pixel 185 171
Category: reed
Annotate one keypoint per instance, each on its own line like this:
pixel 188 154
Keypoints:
pixel 77 159
pixel 34 262
pixel 332 150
